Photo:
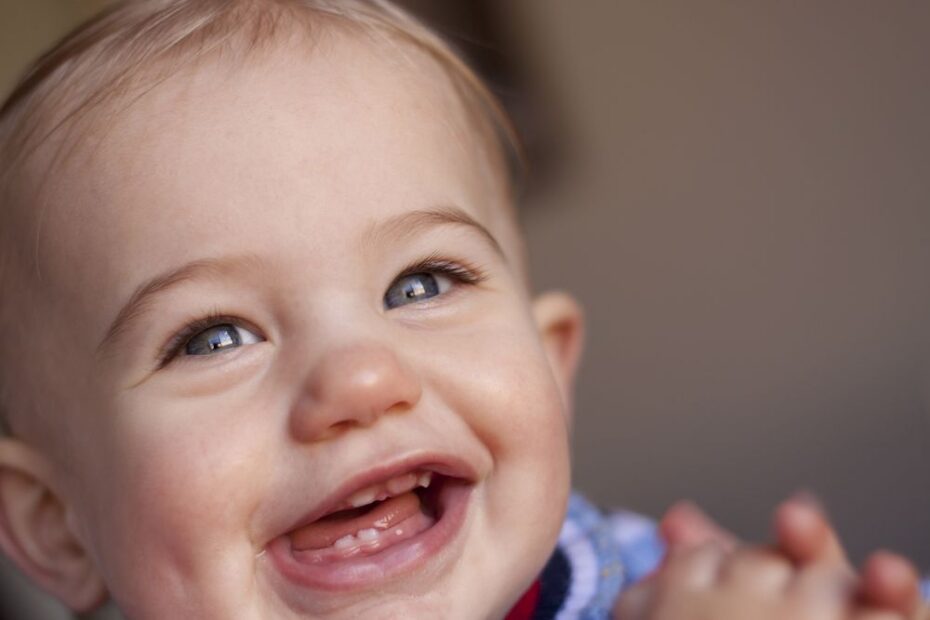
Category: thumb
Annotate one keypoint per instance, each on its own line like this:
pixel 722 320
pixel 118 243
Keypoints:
pixel 634 603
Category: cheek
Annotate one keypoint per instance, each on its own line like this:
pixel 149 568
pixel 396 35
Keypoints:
pixel 179 486
pixel 499 382
pixel 507 389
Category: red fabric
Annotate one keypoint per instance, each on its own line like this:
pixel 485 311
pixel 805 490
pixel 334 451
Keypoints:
pixel 526 606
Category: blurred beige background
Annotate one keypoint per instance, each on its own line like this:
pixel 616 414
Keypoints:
pixel 741 202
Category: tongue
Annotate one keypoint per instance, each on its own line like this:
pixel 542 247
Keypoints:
pixel 326 531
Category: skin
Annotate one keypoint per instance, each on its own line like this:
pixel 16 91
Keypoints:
pixel 805 544
pixel 708 582
pixel 161 486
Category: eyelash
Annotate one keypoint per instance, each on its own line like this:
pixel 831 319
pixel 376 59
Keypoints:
pixel 173 347
pixel 457 270
pixel 461 272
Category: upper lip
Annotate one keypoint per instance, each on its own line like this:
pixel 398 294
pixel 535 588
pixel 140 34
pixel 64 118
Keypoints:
pixel 442 464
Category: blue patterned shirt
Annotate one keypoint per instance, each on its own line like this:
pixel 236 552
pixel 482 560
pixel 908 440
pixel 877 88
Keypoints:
pixel 597 557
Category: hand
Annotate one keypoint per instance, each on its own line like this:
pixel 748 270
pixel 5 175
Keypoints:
pixel 802 532
pixel 805 536
pixel 709 582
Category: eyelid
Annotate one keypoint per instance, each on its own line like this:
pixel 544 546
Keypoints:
pixel 460 270
pixel 457 275
pixel 172 348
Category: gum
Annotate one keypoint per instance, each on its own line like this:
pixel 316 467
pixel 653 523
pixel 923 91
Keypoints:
pixel 324 533
pixel 387 538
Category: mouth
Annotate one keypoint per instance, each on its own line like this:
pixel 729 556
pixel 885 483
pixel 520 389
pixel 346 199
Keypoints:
pixel 378 526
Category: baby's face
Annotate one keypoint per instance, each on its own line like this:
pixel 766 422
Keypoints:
pixel 305 378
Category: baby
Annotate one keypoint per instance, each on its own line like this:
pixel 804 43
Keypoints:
pixel 270 348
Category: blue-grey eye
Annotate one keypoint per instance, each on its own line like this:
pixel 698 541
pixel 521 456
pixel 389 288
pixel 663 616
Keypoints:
pixel 219 338
pixel 415 288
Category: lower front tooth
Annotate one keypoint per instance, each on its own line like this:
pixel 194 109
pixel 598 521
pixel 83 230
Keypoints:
pixel 368 534
pixel 346 542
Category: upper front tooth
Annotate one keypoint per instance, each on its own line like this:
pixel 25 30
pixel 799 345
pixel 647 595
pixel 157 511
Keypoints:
pixel 425 478
pixel 363 497
pixel 401 484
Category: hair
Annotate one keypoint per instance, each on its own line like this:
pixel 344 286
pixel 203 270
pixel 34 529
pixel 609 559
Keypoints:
pixel 132 46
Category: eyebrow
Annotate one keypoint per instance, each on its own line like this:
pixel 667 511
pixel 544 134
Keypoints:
pixel 403 225
pixel 413 222
pixel 141 299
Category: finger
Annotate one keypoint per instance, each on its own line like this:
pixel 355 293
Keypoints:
pixel 756 570
pixel 890 582
pixel 804 535
pixel 695 568
pixel 685 525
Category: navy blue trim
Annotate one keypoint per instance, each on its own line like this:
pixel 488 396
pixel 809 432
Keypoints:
pixel 554 582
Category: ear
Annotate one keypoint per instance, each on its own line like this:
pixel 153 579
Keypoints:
pixel 37 530
pixel 561 325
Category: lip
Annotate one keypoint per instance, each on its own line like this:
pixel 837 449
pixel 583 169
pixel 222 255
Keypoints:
pixel 371 570
pixel 442 464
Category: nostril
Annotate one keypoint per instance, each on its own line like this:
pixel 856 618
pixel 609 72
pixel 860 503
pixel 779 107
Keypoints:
pixel 400 407
pixel 342 425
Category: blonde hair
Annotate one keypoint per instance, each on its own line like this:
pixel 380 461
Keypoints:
pixel 105 57
pixel 132 46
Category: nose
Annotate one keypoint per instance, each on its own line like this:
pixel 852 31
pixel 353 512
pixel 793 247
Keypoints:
pixel 353 387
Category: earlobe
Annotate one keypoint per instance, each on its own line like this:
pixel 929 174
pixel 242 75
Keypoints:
pixel 36 533
pixel 561 324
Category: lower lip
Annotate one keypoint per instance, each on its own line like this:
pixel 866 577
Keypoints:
pixel 370 570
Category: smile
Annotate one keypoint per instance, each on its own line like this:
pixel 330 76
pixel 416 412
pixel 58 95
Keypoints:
pixel 384 524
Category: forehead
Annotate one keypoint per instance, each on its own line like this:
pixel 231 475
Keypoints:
pixel 325 138
pixel 332 119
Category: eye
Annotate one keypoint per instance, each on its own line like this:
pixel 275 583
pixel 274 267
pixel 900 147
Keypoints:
pixel 414 288
pixel 219 338
pixel 428 278
pixel 209 335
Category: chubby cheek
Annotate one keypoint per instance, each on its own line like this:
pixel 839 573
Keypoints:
pixel 515 406
pixel 181 484
pixel 499 380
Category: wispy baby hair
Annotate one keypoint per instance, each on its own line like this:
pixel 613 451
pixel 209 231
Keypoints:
pixel 132 46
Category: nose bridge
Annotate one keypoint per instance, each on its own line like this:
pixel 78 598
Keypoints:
pixel 353 384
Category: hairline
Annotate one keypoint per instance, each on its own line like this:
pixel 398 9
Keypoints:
pixel 39 114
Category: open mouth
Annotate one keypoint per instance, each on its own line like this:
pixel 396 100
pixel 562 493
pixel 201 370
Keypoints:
pixel 376 531
pixel 371 520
